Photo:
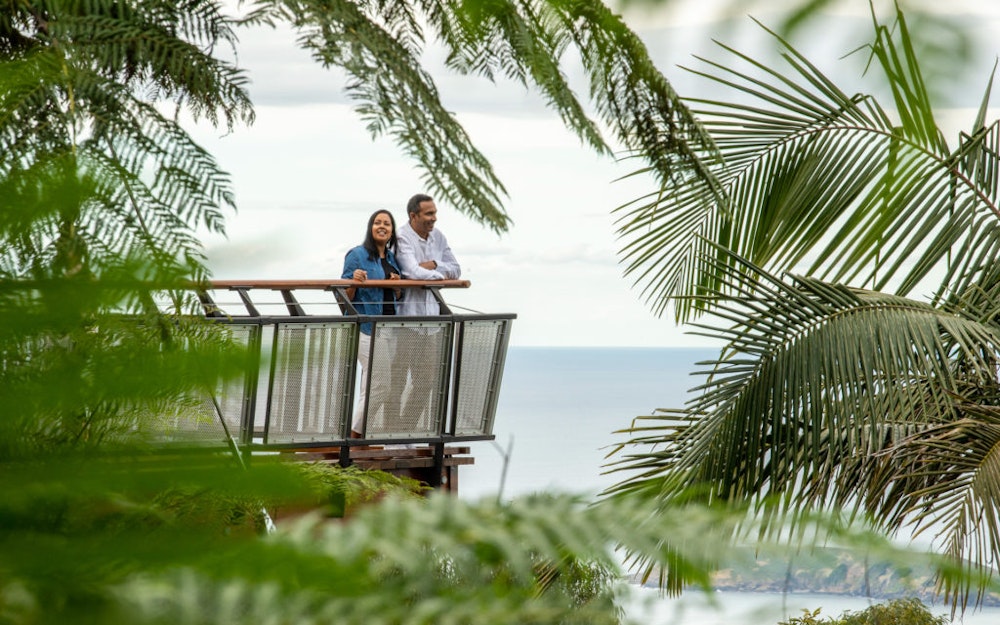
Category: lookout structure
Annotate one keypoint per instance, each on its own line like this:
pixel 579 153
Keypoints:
pixel 302 381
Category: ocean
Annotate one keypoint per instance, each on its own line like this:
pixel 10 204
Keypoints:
pixel 556 417
pixel 558 411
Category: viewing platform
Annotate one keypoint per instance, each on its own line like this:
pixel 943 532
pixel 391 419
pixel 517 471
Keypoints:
pixel 302 378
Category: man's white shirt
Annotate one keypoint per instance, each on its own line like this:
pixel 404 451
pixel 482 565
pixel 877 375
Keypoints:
pixel 411 251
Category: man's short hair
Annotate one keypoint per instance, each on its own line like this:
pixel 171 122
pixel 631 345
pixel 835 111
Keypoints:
pixel 413 206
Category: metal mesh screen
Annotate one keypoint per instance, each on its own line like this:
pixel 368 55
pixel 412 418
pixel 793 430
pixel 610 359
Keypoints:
pixel 195 419
pixel 311 377
pixel 415 365
pixel 483 348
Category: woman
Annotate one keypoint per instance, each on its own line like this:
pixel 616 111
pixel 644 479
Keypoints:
pixel 374 259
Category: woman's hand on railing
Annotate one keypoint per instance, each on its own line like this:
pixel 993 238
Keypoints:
pixel 398 292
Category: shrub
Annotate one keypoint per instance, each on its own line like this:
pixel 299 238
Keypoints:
pixel 897 612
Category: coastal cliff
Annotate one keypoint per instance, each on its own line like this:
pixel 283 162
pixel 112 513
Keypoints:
pixel 837 572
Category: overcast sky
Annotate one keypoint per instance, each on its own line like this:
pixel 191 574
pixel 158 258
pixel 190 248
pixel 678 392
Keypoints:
pixel 307 176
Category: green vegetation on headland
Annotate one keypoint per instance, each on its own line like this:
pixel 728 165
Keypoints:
pixel 837 572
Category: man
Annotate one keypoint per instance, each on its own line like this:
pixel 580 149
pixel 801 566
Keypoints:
pixel 423 253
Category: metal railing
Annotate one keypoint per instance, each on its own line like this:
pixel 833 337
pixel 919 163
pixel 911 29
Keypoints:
pixel 433 380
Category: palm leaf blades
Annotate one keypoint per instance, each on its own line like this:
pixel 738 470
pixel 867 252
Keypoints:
pixel 828 397
pixel 945 484
pixel 819 181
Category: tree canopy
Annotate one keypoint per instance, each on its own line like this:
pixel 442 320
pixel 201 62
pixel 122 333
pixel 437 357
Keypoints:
pixel 101 192
pixel 830 396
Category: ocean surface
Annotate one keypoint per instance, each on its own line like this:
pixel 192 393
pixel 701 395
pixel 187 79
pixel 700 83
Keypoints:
pixel 556 419
pixel 558 411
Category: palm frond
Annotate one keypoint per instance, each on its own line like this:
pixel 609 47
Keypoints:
pixel 817 180
pixel 156 185
pixel 161 49
pixel 632 97
pixel 72 100
pixel 913 104
pixel 945 480
pixel 814 378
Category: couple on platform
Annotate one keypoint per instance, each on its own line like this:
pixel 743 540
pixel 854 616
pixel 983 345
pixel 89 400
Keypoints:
pixel 406 357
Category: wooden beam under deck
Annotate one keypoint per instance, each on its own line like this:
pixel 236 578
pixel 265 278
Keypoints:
pixel 415 463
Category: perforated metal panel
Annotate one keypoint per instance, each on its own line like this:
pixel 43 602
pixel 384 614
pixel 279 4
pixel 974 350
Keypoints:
pixel 413 360
pixel 429 378
pixel 312 376
pixel 196 419
pixel 483 348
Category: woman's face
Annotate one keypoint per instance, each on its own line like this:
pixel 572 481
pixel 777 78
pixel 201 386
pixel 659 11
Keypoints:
pixel 382 228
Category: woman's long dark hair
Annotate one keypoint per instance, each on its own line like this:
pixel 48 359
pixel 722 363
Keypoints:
pixel 369 243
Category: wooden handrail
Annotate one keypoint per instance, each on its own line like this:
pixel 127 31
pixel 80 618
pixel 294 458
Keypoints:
pixel 338 288
pixel 327 284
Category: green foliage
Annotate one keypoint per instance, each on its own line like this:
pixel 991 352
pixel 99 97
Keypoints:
pixel 92 173
pixel 816 176
pixel 830 398
pixel 339 490
pixel 421 561
pixel 101 193
pixel 154 540
pixel 898 612
pixel 827 395
pixel 379 45
pixel 809 617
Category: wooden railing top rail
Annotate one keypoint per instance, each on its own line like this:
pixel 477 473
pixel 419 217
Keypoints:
pixel 288 289
pixel 282 285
